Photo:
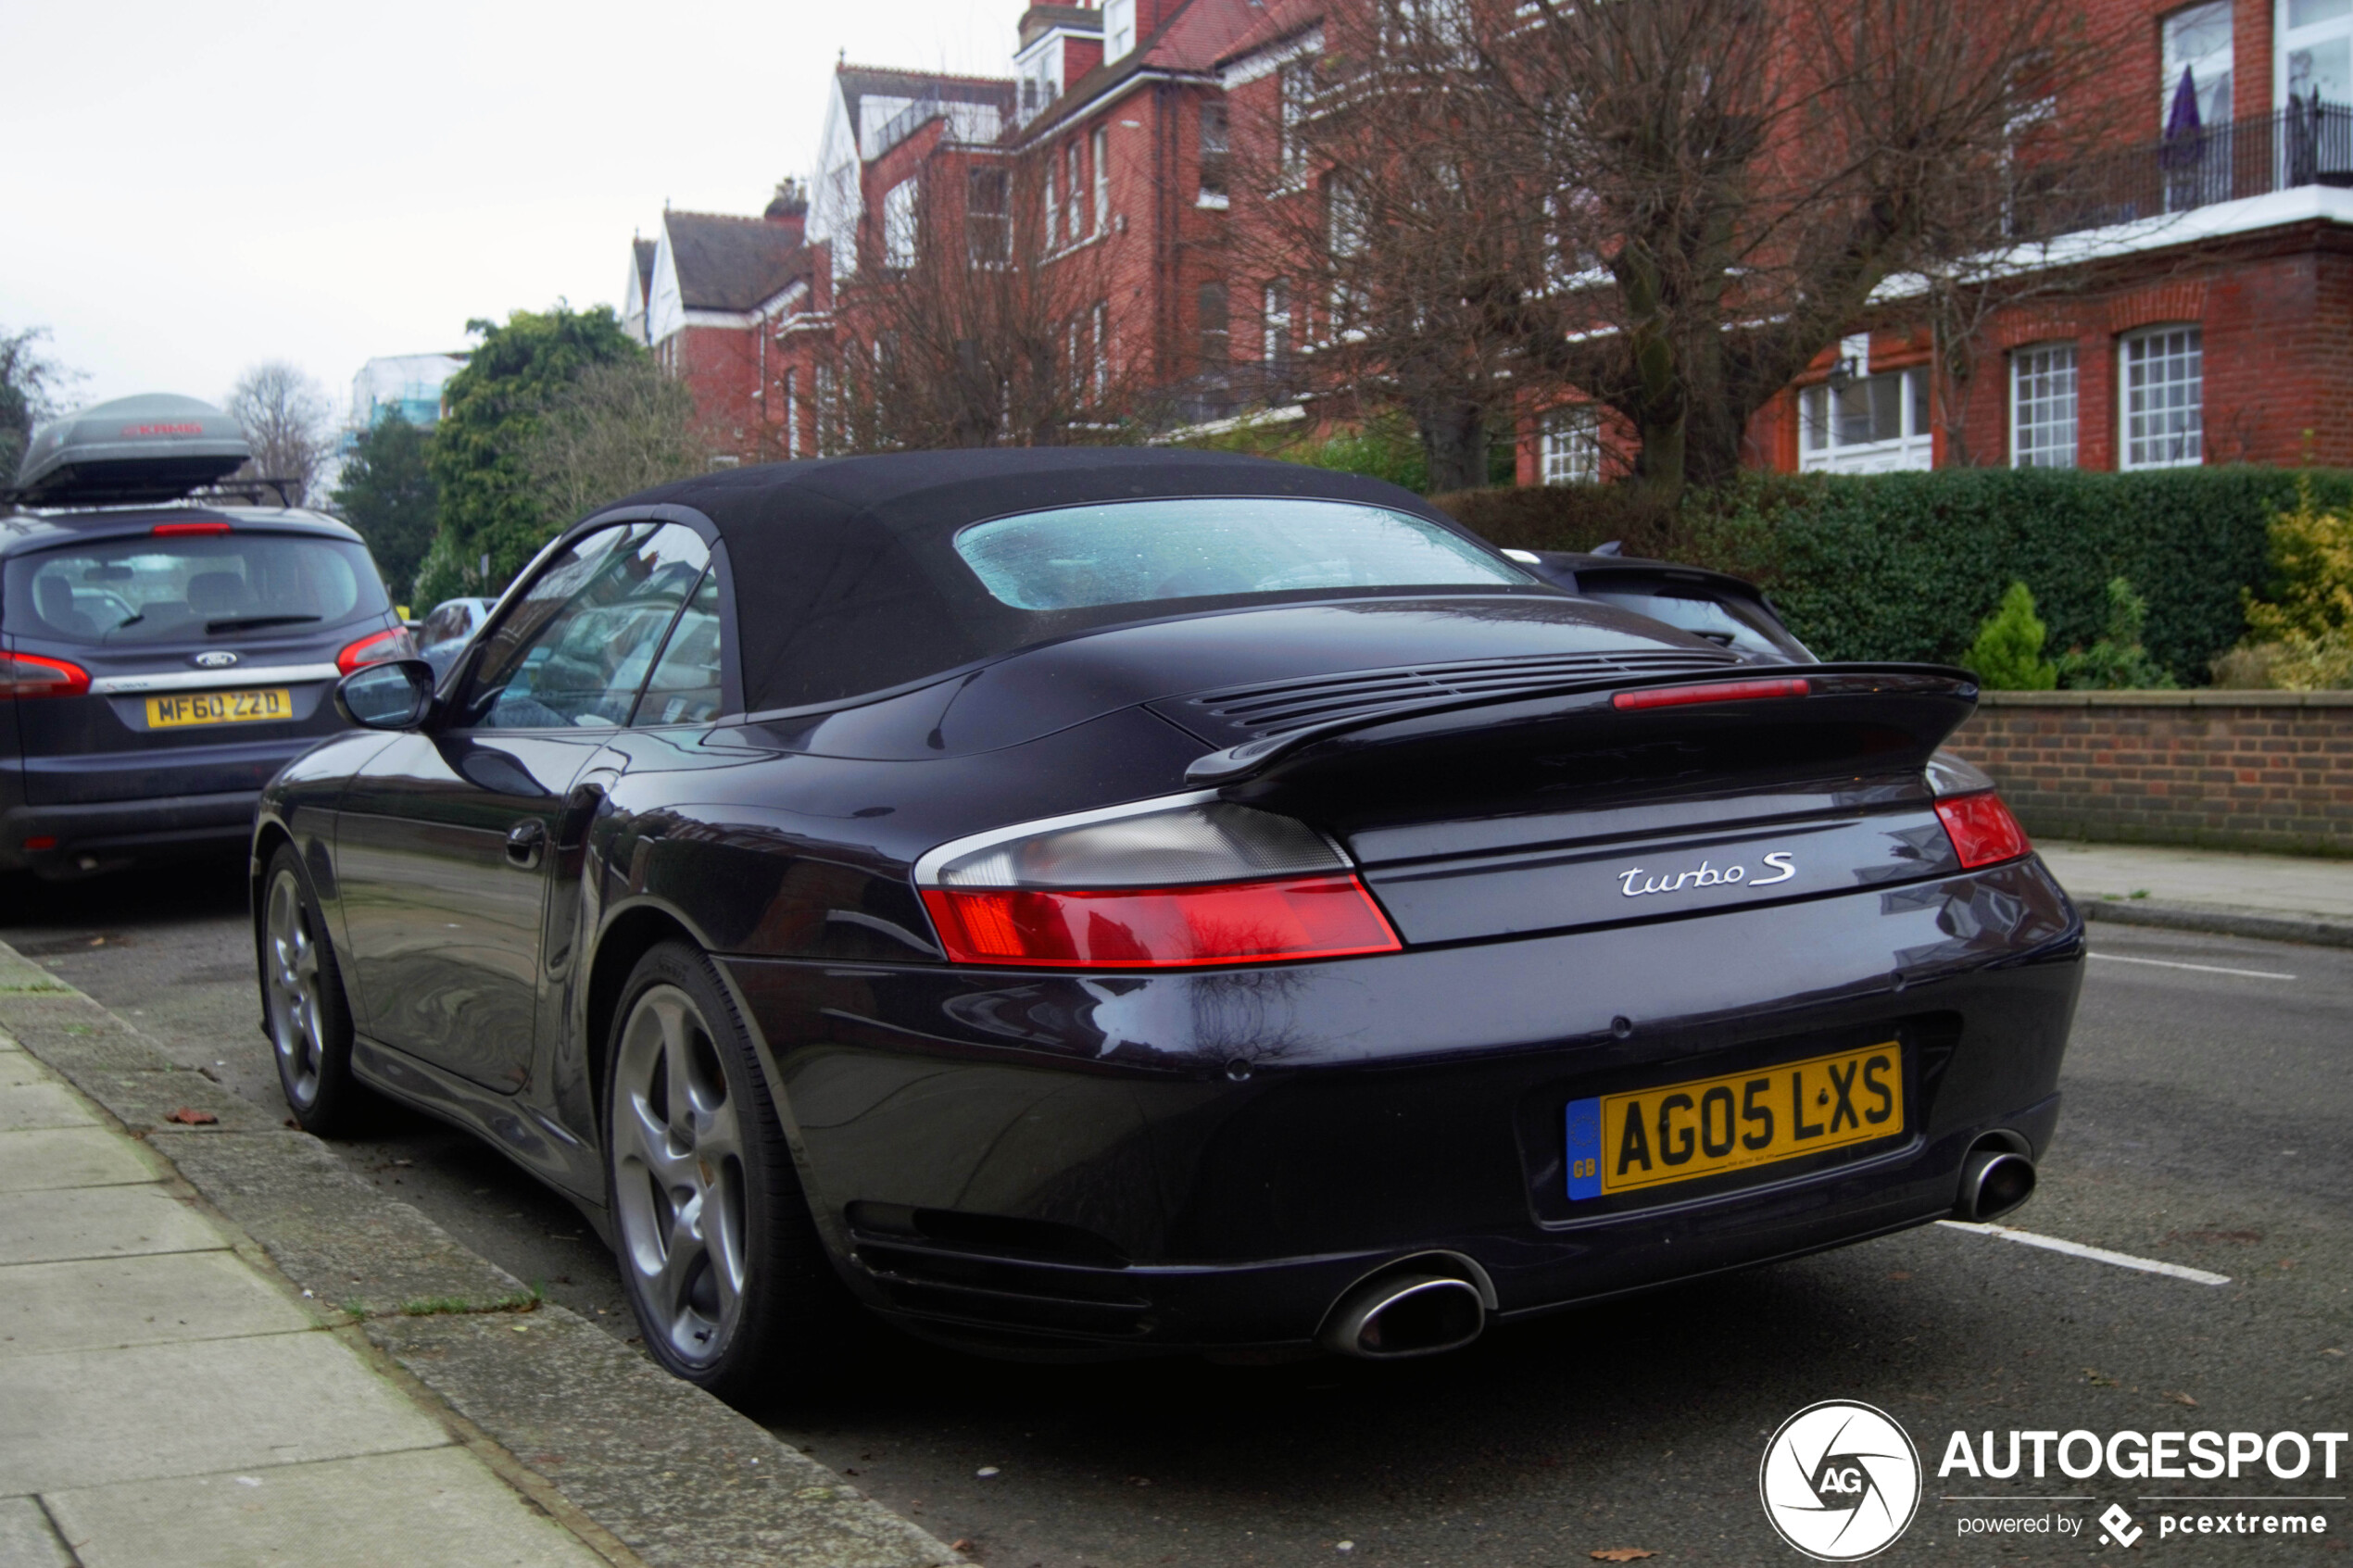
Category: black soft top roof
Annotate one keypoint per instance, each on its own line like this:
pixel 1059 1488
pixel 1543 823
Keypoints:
pixel 848 582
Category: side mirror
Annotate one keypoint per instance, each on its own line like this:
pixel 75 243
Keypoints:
pixel 395 695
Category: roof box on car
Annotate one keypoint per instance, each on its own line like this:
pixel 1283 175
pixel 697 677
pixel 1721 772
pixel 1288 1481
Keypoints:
pixel 153 447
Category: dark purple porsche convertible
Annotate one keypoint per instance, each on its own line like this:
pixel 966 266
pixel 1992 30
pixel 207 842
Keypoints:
pixel 1127 901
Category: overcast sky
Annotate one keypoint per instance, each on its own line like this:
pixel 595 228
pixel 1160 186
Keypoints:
pixel 189 189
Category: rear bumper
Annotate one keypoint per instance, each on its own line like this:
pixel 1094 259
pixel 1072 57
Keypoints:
pixel 113 832
pixel 982 1298
pixel 982 1149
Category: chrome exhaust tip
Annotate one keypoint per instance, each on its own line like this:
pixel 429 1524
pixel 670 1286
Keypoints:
pixel 1400 1316
pixel 1994 1182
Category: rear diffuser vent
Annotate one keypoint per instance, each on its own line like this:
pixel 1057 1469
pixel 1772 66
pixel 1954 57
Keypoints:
pixel 1238 714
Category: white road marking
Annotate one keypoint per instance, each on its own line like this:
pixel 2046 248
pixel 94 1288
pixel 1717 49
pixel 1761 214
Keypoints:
pixel 2201 968
pixel 2097 1254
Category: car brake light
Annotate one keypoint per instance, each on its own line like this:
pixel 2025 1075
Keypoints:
pixel 375 648
pixel 25 674
pixel 1982 831
pixel 171 530
pixel 1199 882
pixel 1715 691
pixel 1159 928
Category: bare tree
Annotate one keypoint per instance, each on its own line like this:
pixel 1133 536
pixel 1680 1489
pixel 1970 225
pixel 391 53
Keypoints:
pixel 30 386
pixel 1670 209
pixel 618 429
pixel 1749 174
pixel 285 418
pixel 963 326
pixel 1389 246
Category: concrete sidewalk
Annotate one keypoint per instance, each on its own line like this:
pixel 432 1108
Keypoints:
pixel 2286 898
pixel 219 1345
pixel 167 1398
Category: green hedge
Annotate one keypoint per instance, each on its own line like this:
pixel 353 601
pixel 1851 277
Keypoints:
pixel 1905 565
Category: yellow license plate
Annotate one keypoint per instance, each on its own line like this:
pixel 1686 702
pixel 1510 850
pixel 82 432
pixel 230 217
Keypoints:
pixel 1679 1131
pixel 220 707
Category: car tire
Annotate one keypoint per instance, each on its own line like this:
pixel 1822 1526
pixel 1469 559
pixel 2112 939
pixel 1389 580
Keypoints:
pixel 304 1009
pixel 729 1281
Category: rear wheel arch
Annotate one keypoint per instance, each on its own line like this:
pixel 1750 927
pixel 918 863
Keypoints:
pixel 266 840
pixel 629 936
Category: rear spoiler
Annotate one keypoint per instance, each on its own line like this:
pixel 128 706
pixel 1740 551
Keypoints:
pixel 1924 702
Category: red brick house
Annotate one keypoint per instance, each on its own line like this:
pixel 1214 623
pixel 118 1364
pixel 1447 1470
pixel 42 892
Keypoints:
pixel 2188 316
pixel 706 295
pixel 1103 151
pixel 2199 310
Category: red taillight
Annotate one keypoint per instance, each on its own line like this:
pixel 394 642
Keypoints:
pixel 1715 691
pixel 1316 917
pixel 375 648
pixel 25 674
pixel 40 841
pixel 1982 830
pixel 175 530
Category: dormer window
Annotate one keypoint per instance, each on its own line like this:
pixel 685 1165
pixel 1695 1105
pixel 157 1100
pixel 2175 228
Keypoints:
pixel 1119 29
pixel 1040 66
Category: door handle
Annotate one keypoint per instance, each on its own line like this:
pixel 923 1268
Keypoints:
pixel 524 841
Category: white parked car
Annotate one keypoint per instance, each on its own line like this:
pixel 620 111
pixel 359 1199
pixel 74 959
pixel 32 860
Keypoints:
pixel 444 634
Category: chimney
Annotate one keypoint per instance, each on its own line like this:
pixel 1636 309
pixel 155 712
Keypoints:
pixel 790 207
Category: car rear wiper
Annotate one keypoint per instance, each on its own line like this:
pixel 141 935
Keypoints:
pixel 247 622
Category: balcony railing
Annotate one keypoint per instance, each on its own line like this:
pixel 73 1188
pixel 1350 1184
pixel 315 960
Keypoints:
pixel 2306 143
pixel 906 122
pixel 967 121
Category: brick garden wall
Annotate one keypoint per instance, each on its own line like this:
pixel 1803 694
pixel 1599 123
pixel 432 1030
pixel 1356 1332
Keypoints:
pixel 2230 770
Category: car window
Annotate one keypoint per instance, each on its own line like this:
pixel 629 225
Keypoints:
pixel 184 588
pixel 576 648
pixel 1133 552
pixel 448 623
pixel 685 688
pixel 1735 623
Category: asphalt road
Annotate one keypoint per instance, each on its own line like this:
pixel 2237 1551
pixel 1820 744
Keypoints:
pixel 2209 1124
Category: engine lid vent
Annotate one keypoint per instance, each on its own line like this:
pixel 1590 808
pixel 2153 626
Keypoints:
pixel 1237 714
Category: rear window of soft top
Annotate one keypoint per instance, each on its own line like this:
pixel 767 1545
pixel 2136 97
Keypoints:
pixel 1139 552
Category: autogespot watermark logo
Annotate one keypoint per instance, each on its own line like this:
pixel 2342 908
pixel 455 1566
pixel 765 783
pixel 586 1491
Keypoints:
pixel 1840 1481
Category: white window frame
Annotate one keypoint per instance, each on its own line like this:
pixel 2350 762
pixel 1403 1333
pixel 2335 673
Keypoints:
pixel 1294 81
pixel 1076 194
pixel 1913 448
pixel 2144 440
pixel 1054 211
pixel 1345 241
pixel 1098 148
pixel 792 415
pixel 2287 39
pixel 1119 29
pixel 1102 334
pixel 2210 70
pixel 996 255
pixel 2045 408
pixel 1275 324
pixel 1211 160
pixel 1571 450
pixel 899 225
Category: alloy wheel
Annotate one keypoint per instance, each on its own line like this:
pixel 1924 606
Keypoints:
pixel 678 1176
pixel 293 982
